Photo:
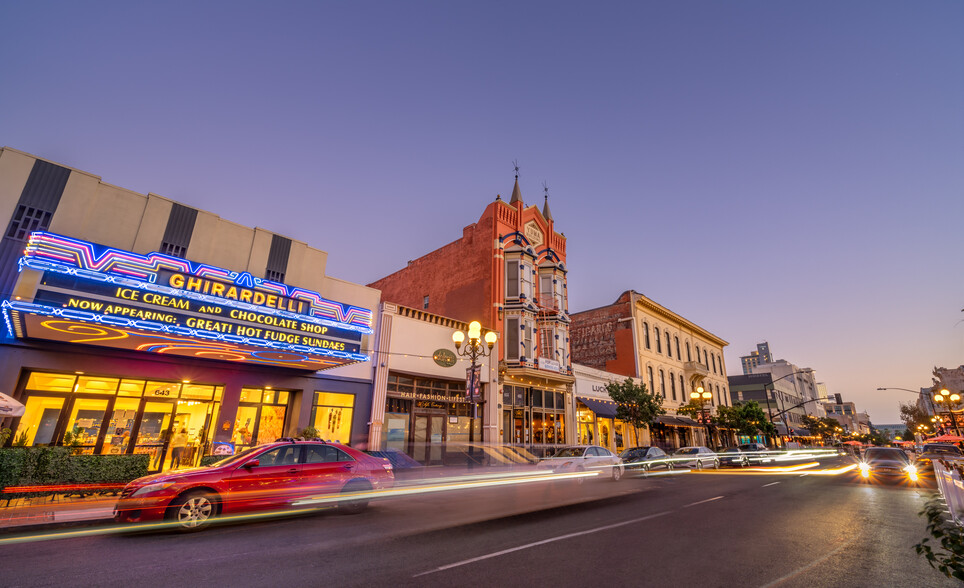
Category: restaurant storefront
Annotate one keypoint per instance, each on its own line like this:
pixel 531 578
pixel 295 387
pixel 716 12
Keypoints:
pixel 118 353
pixel 533 415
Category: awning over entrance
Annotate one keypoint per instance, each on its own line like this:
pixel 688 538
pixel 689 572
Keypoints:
pixel 603 408
pixel 781 428
pixel 676 421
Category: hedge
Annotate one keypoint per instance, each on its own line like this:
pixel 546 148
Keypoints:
pixel 52 466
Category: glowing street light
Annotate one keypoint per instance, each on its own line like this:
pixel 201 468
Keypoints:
pixel 477 347
pixel 945 398
pixel 703 397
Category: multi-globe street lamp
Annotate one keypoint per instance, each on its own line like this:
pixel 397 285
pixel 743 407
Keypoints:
pixel 476 348
pixel 703 397
pixel 946 398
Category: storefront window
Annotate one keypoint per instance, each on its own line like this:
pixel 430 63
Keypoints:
pixel 260 418
pixel 331 414
pixel 97 414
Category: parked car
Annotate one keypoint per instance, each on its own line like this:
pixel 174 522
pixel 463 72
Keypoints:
pixel 584 458
pixel 757 453
pixel 733 456
pixel 265 477
pixel 696 457
pixel 931 451
pixel 645 459
pixel 886 463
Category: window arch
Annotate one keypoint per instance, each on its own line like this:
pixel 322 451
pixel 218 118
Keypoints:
pixel 706 360
pixel 713 358
pixel 672 385
pixel 688 356
pixel 719 397
pixel 682 388
pixel 697 354
pixel 679 356
pixel 659 346
pixel 662 383
pixel 646 334
pixel 652 386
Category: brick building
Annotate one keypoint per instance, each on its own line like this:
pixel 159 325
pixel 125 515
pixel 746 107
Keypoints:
pixel 635 336
pixel 508 271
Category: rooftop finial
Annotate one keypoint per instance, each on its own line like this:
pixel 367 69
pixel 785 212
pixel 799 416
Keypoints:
pixel 516 193
pixel 545 207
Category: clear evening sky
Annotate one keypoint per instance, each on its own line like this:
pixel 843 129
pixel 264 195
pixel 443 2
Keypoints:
pixel 780 171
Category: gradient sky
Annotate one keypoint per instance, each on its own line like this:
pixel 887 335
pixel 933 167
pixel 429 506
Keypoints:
pixel 781 171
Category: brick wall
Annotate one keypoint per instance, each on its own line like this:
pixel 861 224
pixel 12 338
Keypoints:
pixel 601 340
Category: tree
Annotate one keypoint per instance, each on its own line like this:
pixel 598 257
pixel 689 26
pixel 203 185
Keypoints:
pixel 816 426
pixel 635 405
pixel 746 419
pixel 913 415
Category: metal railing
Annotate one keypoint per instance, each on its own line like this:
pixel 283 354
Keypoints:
pixel 951 485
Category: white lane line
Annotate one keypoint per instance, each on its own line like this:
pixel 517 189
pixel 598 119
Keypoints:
pixel 543 542
pixel 703 501
pixel 815 562
pixel 770 484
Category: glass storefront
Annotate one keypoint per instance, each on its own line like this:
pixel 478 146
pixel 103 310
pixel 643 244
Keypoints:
pixel 170 421
pixel 260 418
pixel 331 414
pixel 533 416
pixel 430 419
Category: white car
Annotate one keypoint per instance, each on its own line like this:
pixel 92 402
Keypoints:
pixel 584 458
pixel 696 457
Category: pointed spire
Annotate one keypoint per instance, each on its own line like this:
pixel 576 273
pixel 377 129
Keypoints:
pixel 516 193
pixel 545 207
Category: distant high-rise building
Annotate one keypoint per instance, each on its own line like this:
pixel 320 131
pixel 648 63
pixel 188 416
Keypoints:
pixel 761 355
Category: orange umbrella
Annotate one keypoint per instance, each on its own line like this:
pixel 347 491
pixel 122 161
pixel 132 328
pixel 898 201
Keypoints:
pixel 945 439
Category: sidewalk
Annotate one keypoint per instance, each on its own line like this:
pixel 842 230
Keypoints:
pixel 23 514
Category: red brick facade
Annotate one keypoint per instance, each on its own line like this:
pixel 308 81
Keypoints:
pixel 602 338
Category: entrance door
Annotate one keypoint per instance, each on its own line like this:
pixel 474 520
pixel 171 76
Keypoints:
pixel 521 429
pixel 84 424
pixel 427 437
pixel 154 433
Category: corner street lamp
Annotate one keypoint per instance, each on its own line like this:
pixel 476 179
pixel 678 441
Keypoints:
pixel 703 397
pixel 945 398
pixel 473 350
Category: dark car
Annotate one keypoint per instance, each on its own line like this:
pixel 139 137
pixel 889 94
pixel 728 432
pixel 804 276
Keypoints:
pixel 266 477
pixel 886 463
pixel 645 459
pixel 733 456
pixel 932 451
pixel 757 453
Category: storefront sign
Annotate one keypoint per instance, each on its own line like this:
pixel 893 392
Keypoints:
pixel 96 295
pixel 549 364
pixel 444 357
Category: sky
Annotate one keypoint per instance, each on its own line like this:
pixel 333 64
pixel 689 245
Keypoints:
pixel 790 172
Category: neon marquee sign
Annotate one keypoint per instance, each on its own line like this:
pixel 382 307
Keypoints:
pixel 91 294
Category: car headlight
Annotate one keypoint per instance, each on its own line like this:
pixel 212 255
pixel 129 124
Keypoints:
pixel 152 488
pixel 911 469
pixel 865 470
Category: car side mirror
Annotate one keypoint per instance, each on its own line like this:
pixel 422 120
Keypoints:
pixel 251 464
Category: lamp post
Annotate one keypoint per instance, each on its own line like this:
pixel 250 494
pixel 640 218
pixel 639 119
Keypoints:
pixel 476 348
pixel 945 398
pixel 767 396
pixel 699 395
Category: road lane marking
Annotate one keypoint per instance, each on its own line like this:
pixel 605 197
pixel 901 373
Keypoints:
pixel 703 501
pixel 770 484
pixel 815 562
pixel 543 542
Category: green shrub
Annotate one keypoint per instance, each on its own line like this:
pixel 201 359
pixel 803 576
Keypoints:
pixel 210 459
pixel 41 466
pixel 948 558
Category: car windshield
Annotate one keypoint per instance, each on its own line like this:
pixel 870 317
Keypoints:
pixel 239 457
pixel 687 451
pixel 942 449
pixel 885 453
pixel 731 450
pixel 570 452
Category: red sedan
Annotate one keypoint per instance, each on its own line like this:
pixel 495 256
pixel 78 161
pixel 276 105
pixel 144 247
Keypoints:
pixel 266 477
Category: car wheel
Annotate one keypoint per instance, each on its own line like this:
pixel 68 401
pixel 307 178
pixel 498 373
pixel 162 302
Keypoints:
pixel 617 473
pixel 193 511
pixel 646 467
pixel 716 464
pixel 358 505
pixel 669 465
pixel 744 462
pixel 699 465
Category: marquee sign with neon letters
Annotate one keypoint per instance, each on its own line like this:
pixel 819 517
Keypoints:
pixel 96 295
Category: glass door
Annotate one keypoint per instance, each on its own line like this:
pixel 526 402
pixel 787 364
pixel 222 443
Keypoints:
pixel 84 424
pixel 118 435
pixel 154 432
pixel 39 422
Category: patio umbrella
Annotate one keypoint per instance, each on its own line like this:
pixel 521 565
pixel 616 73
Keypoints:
pixel 10 407
pixel 852 443
pixel 946 439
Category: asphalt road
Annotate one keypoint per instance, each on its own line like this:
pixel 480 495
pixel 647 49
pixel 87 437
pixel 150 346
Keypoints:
pixel 727 528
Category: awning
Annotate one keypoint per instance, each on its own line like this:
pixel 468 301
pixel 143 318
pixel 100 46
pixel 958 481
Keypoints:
pixel 781 428
pixel 801 432
pixel 603 408
pixel 677 421
pixel 10 407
